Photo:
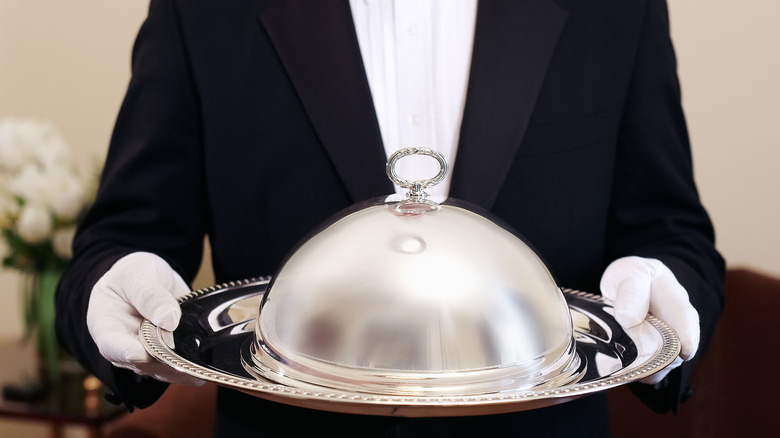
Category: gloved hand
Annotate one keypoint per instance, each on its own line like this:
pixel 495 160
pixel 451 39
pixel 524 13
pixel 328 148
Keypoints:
pixel 139 285
pixel 639 285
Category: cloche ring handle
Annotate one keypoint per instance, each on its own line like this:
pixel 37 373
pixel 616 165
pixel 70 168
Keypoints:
pixel 416 187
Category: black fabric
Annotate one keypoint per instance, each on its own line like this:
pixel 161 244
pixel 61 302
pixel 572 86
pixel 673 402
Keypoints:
pixel 239 414
pixel 251 121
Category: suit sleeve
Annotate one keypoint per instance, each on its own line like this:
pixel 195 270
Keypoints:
pixel 151 196
pixel 655 208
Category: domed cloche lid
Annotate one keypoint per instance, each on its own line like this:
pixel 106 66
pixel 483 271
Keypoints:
pixel 414 297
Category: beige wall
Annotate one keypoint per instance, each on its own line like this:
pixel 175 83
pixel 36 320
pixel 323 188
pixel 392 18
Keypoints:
pixel 729 65
pixel 69 61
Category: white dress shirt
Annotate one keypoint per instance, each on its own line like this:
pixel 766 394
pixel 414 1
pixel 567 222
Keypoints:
pixel 417 55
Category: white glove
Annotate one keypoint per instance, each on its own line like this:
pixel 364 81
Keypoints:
pixel 639 285
pixel 139 285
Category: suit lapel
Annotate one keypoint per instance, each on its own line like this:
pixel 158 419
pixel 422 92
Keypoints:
pixel 318 47
pixel 514 41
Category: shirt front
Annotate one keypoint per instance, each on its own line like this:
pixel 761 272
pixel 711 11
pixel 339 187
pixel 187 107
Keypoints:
pixel 417 55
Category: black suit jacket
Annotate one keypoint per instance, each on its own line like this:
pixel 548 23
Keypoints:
pixel 251 121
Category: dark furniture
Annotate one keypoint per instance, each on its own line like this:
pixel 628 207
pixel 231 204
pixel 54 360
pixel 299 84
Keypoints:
pixel 735 386
pixel 77 401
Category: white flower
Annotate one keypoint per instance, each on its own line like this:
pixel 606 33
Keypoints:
pixel 52 152
pixel 12 154
pixel 34 224
pixel 62 241
pixel 30 184
pixel 65 194
pixel 26 141
pixel 58 188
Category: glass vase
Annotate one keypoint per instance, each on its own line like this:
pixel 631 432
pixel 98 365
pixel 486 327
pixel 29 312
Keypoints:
pixel 38 292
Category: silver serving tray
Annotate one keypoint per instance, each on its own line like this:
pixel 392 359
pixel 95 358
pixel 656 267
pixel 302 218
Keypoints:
pixel 216 323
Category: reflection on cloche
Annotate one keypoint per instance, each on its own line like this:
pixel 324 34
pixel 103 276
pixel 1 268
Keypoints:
pixel 414 297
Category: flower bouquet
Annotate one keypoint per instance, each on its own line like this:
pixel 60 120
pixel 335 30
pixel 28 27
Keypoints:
pixel 42 197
